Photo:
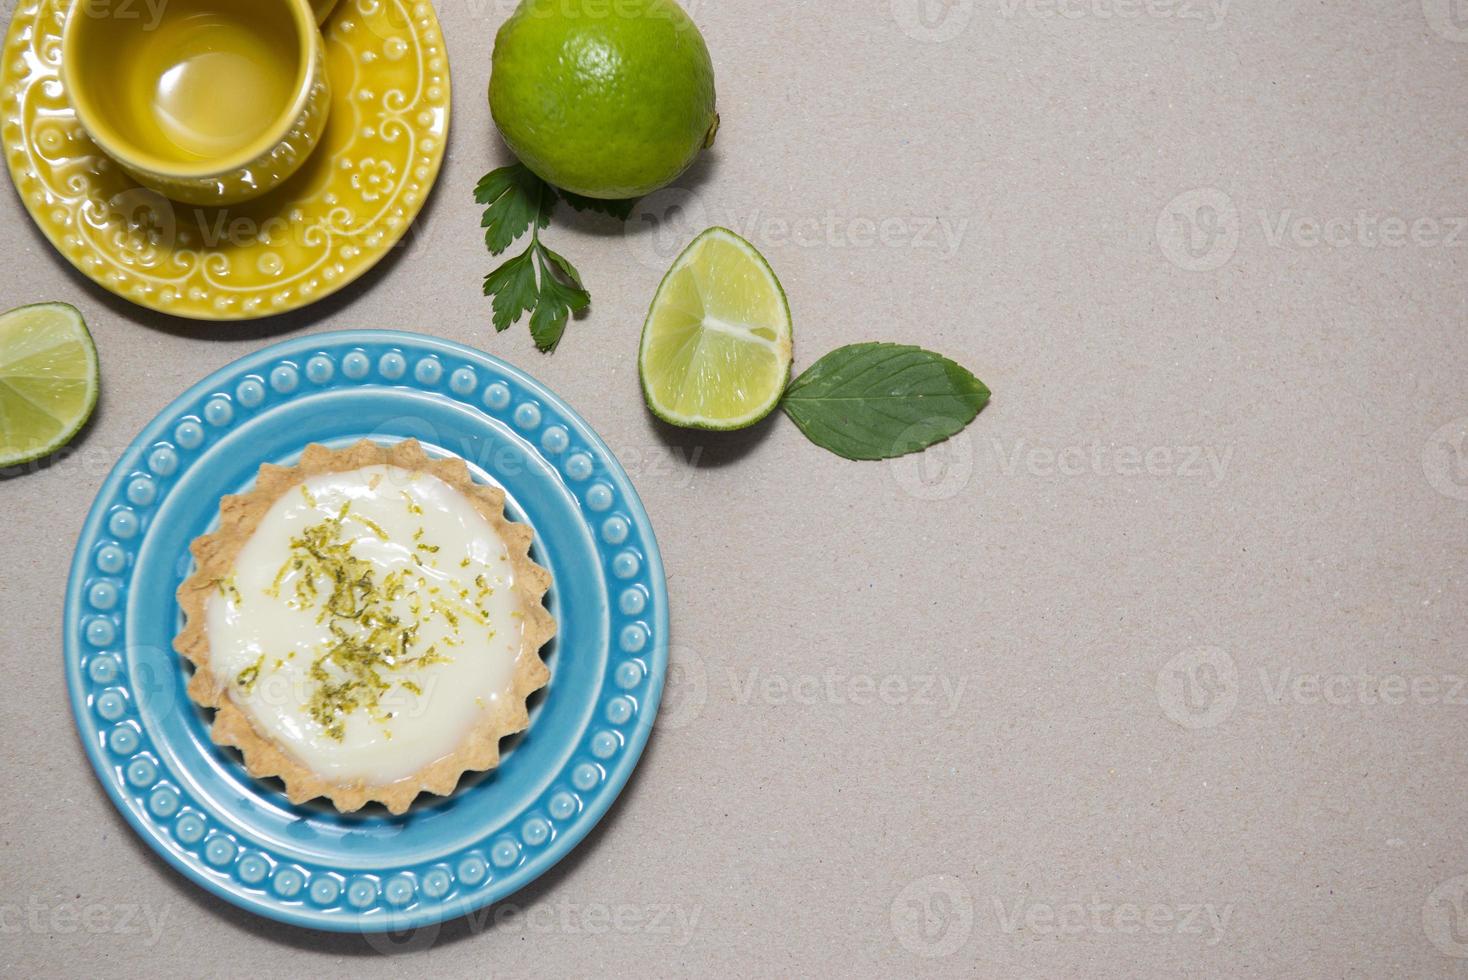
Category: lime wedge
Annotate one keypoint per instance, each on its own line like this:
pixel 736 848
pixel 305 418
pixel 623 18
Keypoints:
pixel 716 347
pixel 48 380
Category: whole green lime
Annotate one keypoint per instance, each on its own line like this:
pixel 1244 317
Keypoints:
pixel 604 98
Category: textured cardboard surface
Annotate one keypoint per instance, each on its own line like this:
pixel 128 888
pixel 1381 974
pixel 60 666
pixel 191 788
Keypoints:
pixel 1157 670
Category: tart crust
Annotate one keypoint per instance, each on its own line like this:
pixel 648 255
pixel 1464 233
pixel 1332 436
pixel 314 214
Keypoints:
pixel 214 557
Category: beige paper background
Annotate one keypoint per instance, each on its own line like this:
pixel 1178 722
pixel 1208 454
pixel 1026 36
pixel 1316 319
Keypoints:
pixel 1220 477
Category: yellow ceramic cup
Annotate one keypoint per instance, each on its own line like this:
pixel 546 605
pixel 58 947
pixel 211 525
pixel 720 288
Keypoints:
pixel 208 102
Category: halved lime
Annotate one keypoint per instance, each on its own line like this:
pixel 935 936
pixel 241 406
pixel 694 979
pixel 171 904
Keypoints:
pixel 716 348
pixel 48 380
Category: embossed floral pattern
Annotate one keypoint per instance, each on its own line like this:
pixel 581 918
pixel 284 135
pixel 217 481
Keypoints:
pixel 373 178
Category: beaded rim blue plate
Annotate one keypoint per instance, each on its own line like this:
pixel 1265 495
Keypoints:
pixel 308 865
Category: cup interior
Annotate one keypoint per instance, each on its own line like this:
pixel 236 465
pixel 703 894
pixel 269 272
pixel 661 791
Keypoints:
pixel 188 87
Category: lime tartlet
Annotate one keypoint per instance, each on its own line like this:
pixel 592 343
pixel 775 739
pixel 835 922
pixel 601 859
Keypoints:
pixel 366 625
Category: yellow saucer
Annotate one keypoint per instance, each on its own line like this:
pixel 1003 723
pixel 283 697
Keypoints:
pixel 338 216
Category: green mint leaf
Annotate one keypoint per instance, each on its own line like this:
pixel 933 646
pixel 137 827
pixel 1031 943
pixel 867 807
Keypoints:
pixel 514 199
pixel 621 210
pixel 513 287
pixel 876 401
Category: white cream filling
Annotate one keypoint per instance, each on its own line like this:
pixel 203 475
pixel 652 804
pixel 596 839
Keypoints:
pixel 265 633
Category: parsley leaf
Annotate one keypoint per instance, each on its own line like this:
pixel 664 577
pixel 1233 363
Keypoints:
pixel 513 287
pixel 538 281
pixel 558 300
pixel 514 198
pixel 617 209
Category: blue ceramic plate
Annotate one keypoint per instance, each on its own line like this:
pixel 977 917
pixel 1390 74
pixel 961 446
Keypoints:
pixel 309 865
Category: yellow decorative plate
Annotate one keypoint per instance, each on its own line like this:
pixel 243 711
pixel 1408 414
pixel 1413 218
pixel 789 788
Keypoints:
pixel 338 216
